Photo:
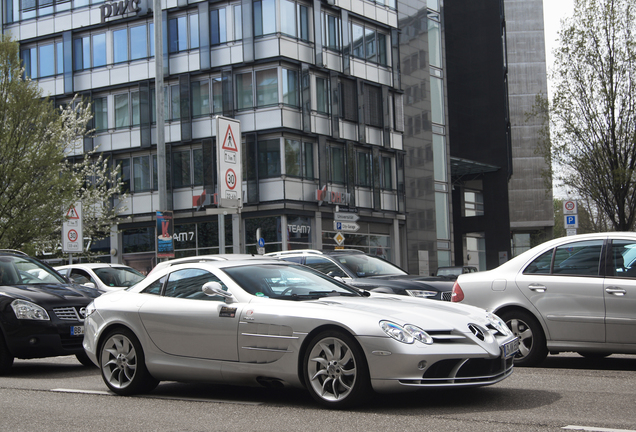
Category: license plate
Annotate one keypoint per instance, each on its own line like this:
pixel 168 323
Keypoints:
pixel 77 330
pixel 511 348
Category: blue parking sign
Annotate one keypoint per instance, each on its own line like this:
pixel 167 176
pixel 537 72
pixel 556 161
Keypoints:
pixel 571 221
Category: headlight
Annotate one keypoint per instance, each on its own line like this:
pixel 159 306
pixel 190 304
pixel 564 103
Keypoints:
pixel 407 334
pixel 26 310
pixel 498 323
pixel 421 293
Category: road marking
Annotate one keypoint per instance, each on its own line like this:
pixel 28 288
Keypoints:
pixel 595 429
pixel 181 398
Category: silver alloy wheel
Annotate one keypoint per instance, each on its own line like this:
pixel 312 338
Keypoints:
pixel 332 369
pixel 119 361
pixel 522 330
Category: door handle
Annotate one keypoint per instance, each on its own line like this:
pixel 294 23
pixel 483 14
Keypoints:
pixel 615 291
pixel 537 287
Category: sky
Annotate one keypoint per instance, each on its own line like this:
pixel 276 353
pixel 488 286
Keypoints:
pixel 553 12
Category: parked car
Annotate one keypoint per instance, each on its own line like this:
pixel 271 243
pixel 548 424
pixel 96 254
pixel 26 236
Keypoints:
pixel 201 258
pixel 369 272
pixel 454 271
pixel 103 276
pixel 41 313
pixel 275 323
pixel 575 293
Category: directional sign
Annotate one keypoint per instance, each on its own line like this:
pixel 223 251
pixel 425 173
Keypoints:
pixel 228 145
pixel 346 217
pixel 571 221
pixel 345 226
pixel 72 229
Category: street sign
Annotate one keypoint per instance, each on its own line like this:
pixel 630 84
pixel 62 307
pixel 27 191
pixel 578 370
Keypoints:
pixel 570 207
pixel 73 230
pixel 571 221
pixel 339 238
pixel 345 226
pixel 228 145
pixel 346 217
pixel 570 231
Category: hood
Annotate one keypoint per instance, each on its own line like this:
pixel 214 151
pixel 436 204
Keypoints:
pixel 50 294
pixel 427 314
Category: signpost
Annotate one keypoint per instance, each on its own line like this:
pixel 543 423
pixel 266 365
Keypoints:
pixel 73 230
pixel 228 150
pixel 345 226
pixel 570 217
pixel 346 217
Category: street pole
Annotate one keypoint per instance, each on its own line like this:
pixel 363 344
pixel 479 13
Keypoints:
pixel 159 99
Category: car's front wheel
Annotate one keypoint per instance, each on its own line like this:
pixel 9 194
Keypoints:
pixel 532 342
pixel 336 371
pixel 122 364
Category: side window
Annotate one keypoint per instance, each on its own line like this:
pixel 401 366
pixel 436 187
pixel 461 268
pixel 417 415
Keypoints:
pixel 298 260
pixel 325 266
pixel 80 277
pixel 187 283
pixel 541 265
pixel 579 258
pixel 155 287
pixel 622 259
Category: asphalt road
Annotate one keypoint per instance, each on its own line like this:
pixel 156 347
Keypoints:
pixel 567 393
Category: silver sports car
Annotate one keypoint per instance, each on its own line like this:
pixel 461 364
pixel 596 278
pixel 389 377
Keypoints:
pixel 274 323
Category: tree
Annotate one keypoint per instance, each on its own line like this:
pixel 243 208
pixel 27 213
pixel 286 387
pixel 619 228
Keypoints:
pixel 37 180
pixel 591 145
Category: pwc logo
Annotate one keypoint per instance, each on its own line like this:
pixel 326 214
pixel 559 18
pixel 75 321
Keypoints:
pixel 119 8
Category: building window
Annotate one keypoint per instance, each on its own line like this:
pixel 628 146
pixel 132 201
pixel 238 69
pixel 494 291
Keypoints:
pixel 373 105
pixel 387 173
pixel 441 216
pixel 124 173
pixel 434 44
pixel 299 159
pixel 267 87
pixel 264 17
pixel 131 43
pixel 141 173
pixel 238 23
pixel 349 98
pixel 294 18
pixel 244 94
pixel 291 95
pixel 269 158
pixel 183 31
pixel 181 169
pixel 473 203
pixel 331 32
pixel 368 44
pixel 337 164
pixel 43 61
pixel 439 158
pixel 171 102
pixel 322 96
pixel 363 169
pixel 200 98
pixel 100 110
pixel 127 110
pixel 218 30
pixel 437 100
pixel 89 51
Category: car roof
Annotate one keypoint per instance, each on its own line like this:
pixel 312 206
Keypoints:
pixel 91 265
pixel 306 252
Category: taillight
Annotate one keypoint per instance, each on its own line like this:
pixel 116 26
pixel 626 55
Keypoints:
pixel 458 294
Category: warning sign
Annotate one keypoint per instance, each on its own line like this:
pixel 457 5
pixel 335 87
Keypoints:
pixel 72 229
pixel 72 213
pixel 229 142
pixel 228 132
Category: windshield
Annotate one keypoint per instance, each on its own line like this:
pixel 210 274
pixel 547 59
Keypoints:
pixel 287 282
pixel 449 271
pixel 365 266
pixel 26 271
pixel 118 276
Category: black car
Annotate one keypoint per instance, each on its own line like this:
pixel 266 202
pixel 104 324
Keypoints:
pixel 370 272
pixel 41 313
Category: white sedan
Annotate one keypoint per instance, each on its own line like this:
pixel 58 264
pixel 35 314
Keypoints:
pixel 103 276
pixel 273 323
pixel 574 293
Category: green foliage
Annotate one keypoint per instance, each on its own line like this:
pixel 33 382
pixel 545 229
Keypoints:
pixel 592 137
pixel 36 179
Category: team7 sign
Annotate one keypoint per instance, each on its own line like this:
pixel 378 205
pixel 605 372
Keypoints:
pixel 228 151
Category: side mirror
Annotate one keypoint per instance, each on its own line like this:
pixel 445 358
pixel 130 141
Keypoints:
pixel 215 289
pixel 89 285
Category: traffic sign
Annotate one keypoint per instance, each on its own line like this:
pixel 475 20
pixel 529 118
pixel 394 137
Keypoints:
pixel 228 145
pixel 346 217
pixel 72 229
pixel 570 207
pixel 571 221
pixel 345 226
pixel 339 238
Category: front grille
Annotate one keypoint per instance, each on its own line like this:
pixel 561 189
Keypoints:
pixel 462 371
pixel 68 314
pixel 447 295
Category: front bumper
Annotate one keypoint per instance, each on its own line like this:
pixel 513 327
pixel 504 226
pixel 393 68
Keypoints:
pixel 28 339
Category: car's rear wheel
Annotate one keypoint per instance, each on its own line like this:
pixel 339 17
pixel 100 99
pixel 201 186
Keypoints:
pixel 336 371
pixel 532 342
pixel 6 359
pixel 122 364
